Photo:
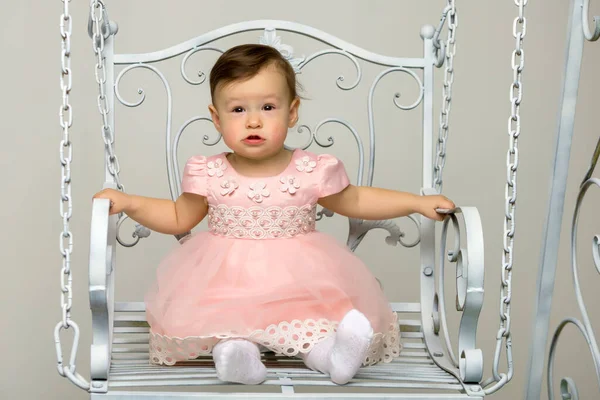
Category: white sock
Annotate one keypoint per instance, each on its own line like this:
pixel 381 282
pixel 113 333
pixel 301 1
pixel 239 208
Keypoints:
pixel 318 358
pixel 352 341
pixel 239 361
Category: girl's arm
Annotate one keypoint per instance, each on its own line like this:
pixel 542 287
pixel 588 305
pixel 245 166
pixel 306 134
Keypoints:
pixel 370 203
pixel 159 215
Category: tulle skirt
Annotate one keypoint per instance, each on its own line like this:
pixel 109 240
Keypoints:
pixel 286 295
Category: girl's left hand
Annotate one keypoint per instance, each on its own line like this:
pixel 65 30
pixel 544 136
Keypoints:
pixel 428 205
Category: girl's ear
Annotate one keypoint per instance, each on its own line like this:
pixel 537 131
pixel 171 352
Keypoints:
pixel 215 117
pixel 294 112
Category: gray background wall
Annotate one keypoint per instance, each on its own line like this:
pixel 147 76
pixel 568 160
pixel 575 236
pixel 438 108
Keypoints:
pixel 474 175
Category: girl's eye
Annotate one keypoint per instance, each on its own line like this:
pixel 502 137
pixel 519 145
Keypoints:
pixel 238 110
pixel 268 107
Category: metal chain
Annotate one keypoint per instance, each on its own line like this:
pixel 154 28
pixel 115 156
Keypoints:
pixel 440 160
pixel 66 204
pixel 101 30
pixel 512 163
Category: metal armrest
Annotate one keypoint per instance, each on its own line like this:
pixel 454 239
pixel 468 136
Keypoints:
pixel 466 252
pixel 101 286
pixel 469 260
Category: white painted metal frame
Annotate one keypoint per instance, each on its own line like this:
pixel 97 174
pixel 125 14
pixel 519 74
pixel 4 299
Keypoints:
pixel 120 332
pixel 577 32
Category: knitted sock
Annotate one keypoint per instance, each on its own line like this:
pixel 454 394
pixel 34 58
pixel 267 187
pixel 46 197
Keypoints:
pixel 352 341
pixel 318 358
pixel 239 361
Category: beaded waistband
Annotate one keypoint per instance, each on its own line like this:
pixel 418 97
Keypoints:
pixel 261 222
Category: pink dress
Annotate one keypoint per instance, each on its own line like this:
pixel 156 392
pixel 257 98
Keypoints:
pixel 262 272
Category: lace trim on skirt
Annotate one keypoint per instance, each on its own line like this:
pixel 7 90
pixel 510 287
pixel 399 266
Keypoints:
pixel 286 338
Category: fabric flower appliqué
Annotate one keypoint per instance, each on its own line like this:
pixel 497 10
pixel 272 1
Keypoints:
pixel 257 191
pixel 228 185
pixel 289 184
pixel 305 164
pixel 216 168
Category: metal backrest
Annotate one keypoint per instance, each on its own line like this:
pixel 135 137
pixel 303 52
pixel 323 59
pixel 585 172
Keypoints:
pixel 308 133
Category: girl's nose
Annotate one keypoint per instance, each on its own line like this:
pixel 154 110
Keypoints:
pixel 253 121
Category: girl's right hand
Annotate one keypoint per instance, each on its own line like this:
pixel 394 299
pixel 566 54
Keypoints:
pixel 119 201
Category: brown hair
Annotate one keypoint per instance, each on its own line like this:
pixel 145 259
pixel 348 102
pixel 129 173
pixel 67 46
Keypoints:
pixel 245 61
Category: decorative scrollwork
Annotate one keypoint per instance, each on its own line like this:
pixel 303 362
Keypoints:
pixel 141 91
pixel 201 74
pixel 586 321
pixel 140 232
pixel 359 144
pixel 568 388
pixel 585 327
pixel 270 38
pixel 175 164
pixel 324 213
pixel 340 78
pixel 469 289
pixel 359 228
pixel 313 136
pixel 592 37
pixel 396 97
pixel 300 129
pixel 172 185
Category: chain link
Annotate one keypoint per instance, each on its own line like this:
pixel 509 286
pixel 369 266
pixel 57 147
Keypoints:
pixel 101 30
pixel 66 156
pixel 440 160
pixel 512 164
pixel 66 203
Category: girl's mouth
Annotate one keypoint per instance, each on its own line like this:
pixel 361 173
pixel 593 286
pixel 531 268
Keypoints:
pixel 253 140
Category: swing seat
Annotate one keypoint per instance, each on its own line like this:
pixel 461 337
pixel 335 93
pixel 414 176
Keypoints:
pixel 414 369
pixel 425 369
pixel 120 353
pixel 126 332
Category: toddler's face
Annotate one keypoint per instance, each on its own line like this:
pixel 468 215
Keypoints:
pixel 254 115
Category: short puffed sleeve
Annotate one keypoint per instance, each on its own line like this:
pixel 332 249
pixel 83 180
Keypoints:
pixel 333 176
pixel 194 176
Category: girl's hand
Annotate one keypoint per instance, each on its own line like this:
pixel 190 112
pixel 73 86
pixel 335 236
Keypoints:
pixel 119 201
pixel 429 204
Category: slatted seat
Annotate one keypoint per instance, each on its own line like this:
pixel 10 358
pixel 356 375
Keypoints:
pixel 130 366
